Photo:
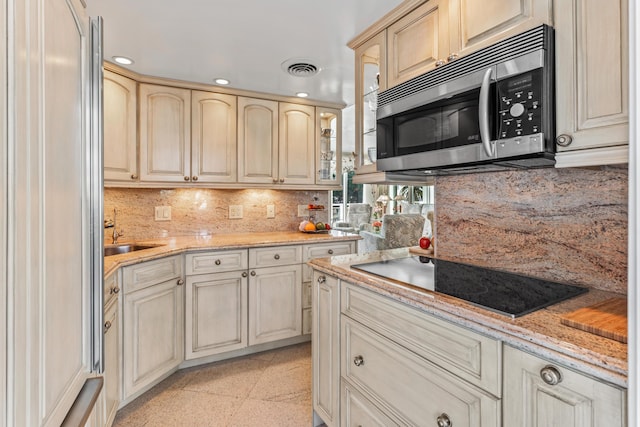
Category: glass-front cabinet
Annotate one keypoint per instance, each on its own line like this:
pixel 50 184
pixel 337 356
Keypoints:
pixel 370 79
pixel 329 146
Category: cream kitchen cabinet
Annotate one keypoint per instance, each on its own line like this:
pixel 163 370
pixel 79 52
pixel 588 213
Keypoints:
pixel 216 302
pixel 153 318
pixel 325 349
pixel 296 144
pixel 540 393
pixel 213 137
pixel 120 128
pixel 328 146
pixel 275 293
pixel 111 375
pixel 165 133
pixel 591 82
pixel 257 141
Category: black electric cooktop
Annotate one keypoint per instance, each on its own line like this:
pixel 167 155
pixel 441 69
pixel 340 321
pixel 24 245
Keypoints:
pixel 506 293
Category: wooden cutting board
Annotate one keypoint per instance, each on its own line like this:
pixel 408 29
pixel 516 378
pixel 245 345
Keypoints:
pixel 607 319
pixel 417 250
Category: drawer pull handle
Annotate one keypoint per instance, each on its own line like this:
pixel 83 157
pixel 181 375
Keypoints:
pixel 253 273
pixel 107 326
pixel 444 421
pixel 115 290
pixel 358 361
pixel 218 262
pixel 551 375
pixel 330 251
pixel 180 282
pixel 322 279
pixel 276 256
pixel 244 274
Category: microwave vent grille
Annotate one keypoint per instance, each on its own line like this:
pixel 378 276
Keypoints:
pixel 513 47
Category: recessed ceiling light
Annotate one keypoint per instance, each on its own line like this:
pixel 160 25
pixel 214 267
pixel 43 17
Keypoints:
pixel 302 94
pixel 222 81
pixel 123 60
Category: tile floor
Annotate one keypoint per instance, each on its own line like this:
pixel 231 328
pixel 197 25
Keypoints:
pixel 272 388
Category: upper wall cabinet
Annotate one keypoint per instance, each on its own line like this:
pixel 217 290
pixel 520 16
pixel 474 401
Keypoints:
pixel 120 127
pixel 257 140
pixel 165 133
pixel 328 146
pixel 296 144
pixel 213 138
pixel 591 82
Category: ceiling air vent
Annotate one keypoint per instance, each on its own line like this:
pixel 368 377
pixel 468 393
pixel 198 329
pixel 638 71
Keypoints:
pixel 300 68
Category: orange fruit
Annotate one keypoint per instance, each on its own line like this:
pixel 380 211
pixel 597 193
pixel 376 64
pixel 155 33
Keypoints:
pixel 310 227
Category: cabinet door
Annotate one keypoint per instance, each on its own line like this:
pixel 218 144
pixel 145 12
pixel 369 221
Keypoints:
pixel 257 141
pixel 325 348
pixel 591 74
pixel 296 144
pixel 328 146
pixel 575 401
pixel 216 313
pixel 275 303
pixel 214 141
pixel 165 134
pixel 111 388
pixel 120 127
pixel 417 41
pixel 484 22
pixel 154 334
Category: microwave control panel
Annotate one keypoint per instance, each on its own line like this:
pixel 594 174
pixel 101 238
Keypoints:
pixel 520 105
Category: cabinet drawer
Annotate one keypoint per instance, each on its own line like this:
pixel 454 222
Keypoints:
pixel 321 250
pixel 358 411
pixel 151 272
pixel 407 386
pixel 111 287
pixel 465 353
pixel 274 256
pixel 216 262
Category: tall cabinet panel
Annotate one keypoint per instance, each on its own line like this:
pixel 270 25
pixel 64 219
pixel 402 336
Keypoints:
pixel 213 139
pixel 120 127
pixel 165 133
pixel 296 144
pixel 257 140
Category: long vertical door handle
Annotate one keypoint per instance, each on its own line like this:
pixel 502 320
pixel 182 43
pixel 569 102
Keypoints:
pixel 483 113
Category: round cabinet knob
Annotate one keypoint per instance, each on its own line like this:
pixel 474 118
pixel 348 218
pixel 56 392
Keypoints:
pixel 253 273
pixel 180 282
pixel 452 57
pixel 516 109
pixel 551 375
pixel 218 262
pixel 134 176
pixel 440 62
pixel 244 274
pixel 107 325
pixel 186 178
pixel 322 279
pixel 194 178
pixel 281 179
pixel 275 180
pixel 115 290
pixel 358 360
pixel 444 420
pixel 276 256
pixel 564 140
pixel 330 251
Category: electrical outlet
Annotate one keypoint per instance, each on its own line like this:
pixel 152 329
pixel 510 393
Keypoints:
pixel 235 211
pixel 303 210
pixel 163 213
pixel 271 211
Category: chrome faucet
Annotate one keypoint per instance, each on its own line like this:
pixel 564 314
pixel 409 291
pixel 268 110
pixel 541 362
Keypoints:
pixel 113 224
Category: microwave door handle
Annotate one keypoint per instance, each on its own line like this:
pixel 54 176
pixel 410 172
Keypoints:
pixel 483 113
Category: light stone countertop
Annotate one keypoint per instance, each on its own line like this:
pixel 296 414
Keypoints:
pixel 540 332
pixel 178 245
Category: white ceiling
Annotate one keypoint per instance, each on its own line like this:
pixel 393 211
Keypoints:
pixel 245 41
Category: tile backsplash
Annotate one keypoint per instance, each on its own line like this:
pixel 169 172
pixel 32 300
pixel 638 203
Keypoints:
pixel 204 211
pixel 567 225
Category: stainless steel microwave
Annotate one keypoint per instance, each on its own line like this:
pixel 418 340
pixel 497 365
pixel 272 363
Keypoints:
pixel 490 110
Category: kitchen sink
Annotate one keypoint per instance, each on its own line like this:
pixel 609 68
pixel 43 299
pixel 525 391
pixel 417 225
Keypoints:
pixel 125 248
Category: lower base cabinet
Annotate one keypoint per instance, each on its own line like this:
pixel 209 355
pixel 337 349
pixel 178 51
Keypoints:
pixel 357 410
pixel 538 393
pixel 111 387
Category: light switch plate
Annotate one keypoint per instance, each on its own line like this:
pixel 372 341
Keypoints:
pixel 235 211
pixel 163 213
pixel 271 211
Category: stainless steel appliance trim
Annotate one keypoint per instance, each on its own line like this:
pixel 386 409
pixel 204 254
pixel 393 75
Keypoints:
pixel 424 160
pixel 520 145
pixel 483 113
